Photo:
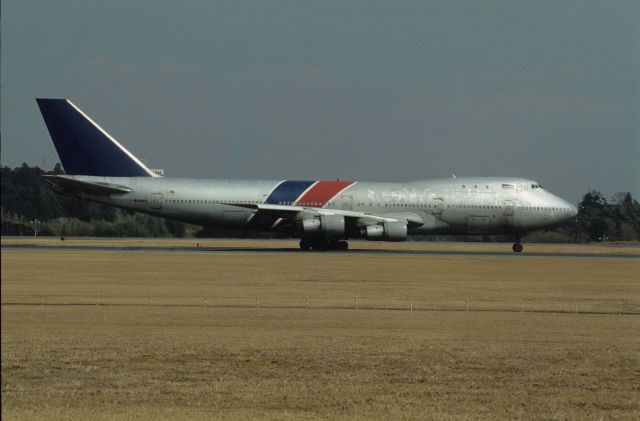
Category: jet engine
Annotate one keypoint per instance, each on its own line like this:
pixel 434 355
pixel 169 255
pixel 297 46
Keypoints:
pixel 328 226
pixel 387 231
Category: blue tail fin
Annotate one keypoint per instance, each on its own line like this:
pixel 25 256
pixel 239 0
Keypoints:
pixel 84 147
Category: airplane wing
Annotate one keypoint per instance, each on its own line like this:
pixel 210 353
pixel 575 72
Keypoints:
pixel 304 212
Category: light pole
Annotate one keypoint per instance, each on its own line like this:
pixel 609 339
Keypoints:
pixel 35 223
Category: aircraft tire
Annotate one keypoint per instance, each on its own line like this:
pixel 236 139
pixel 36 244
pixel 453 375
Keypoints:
pixel 343 245
pixel 305 245
pixel 517 247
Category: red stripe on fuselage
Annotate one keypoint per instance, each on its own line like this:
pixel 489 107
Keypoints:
pixel 322 192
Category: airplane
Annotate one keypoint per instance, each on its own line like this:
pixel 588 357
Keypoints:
pixel 324 214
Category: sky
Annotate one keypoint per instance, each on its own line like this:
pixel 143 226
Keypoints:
pixel 357 90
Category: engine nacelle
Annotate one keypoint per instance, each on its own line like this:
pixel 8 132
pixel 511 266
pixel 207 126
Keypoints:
pixel 387 231
pixel 328 226
pixel 311 226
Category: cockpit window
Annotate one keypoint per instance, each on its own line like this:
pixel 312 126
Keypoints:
pixel 507 186
pixel 536 186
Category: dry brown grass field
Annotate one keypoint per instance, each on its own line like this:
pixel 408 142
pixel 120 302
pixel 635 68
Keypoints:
pixel 125 335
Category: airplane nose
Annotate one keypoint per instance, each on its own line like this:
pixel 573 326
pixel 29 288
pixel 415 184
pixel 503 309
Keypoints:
pixel 569 211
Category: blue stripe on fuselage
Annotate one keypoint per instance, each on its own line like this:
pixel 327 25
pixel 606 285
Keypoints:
pixel 288 191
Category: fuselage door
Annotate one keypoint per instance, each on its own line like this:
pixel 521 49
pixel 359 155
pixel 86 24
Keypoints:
pixel 156 201
pixel 509 206
pixel 346 202
pixel 437 205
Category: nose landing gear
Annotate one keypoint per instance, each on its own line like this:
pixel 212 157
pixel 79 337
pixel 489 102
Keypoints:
pixel 517 246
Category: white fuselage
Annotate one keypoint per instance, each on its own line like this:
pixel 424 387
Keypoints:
pixel 480 205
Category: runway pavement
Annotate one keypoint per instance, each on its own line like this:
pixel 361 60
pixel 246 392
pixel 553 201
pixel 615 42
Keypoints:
pixel 293 251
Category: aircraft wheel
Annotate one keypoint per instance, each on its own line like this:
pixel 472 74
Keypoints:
pixel 305 245
pixel 343 245
pixel 517 247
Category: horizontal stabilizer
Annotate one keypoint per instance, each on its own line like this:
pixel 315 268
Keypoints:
pixel 71 184
pixel 84 147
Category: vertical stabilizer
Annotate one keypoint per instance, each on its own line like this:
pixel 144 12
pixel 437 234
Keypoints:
pixel 84 147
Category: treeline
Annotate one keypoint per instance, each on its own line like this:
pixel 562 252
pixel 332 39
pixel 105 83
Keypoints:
pixel 29 203
pixel 597 220
pixel 617 221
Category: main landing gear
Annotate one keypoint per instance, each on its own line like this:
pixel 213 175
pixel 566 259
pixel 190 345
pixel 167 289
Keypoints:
pixel 323 245
pixel 517 246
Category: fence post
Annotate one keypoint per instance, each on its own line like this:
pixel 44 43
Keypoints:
pixel 619 308
pixel 521 306
pixel 256 302
pixel 97 299
pixel 356 302
pixel 205 301
pixel 306 301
